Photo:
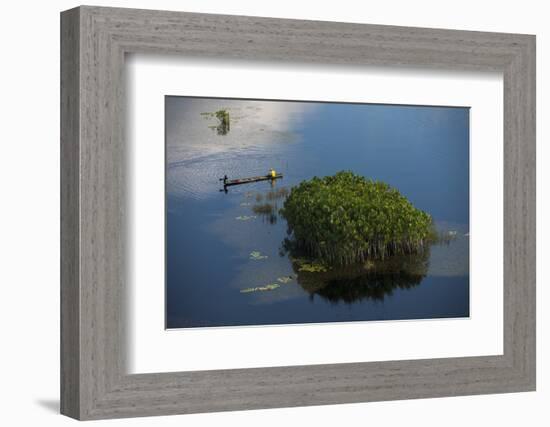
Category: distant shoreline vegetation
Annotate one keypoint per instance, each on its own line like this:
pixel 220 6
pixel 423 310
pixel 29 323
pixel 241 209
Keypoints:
pixel 347 219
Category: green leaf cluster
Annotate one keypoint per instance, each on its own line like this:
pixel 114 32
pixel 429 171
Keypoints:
pixel 345 218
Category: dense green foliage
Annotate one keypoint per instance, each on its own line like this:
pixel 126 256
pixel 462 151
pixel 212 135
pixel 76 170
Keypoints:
pixel 345 219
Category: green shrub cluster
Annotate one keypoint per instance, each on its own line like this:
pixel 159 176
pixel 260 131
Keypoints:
pixel 345 219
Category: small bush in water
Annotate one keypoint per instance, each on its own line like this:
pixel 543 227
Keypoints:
pixel 346 218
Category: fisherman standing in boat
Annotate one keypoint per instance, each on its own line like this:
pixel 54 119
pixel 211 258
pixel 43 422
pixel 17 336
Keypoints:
pixel 272 175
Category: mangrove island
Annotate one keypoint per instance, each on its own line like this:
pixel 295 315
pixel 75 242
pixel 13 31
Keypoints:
pixel 347 219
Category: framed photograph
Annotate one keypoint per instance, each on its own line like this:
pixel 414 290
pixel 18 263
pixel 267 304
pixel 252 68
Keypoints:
pixel 262 213
pixel 309 221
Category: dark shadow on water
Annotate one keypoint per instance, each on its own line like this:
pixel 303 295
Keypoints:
pixel 51 405
pixel 374 280
pixel 371 286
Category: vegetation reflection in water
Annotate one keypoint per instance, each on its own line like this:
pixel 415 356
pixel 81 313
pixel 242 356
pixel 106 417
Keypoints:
pixel 369 280
pixel 397 260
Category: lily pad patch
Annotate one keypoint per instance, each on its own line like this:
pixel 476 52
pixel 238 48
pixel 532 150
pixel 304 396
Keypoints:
pixel 257 255
pixel 270 287
pixel 245 217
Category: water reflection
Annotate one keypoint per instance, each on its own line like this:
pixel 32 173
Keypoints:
pixel 370 281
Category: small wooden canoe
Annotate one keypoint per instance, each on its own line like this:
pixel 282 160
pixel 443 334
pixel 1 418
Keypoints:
pixel 229 182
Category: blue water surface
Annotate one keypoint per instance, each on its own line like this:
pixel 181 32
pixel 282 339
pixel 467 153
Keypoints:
pixel 210 234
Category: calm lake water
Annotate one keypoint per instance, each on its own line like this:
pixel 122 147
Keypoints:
pixel 217 246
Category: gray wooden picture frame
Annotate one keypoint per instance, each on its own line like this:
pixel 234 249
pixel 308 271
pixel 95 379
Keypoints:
pixel 94 382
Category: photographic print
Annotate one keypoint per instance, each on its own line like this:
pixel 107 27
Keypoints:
pixel 293 212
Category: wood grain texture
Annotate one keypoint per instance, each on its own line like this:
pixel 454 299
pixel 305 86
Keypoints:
pixel 94 273
pixel 70 221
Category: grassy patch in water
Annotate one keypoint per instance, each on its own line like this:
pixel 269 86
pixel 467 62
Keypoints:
pixel 224 123
pixel 263 209
pixel 346 219
pixel 267 211
pixel 310 266
pixel 280 193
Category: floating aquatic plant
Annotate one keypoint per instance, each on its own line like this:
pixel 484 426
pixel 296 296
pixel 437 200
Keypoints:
pixel 309 265
pixel 223 126
pixel 312 267
pixel 346 219
pixel 257 255
pixel 245 217
pixel 269 287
